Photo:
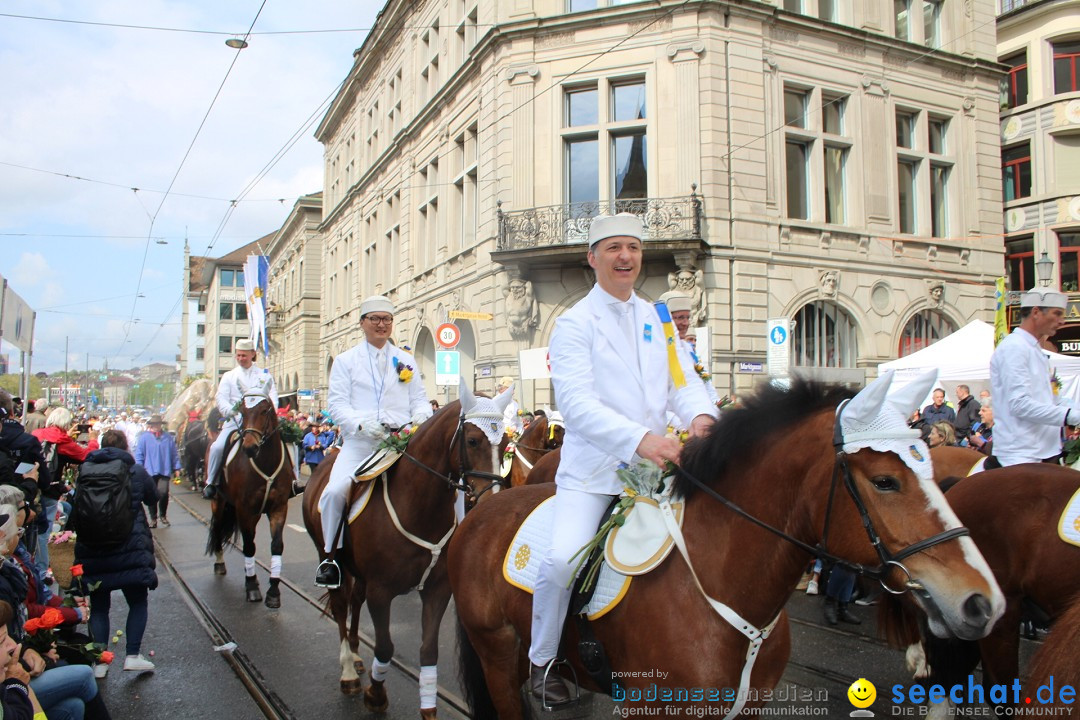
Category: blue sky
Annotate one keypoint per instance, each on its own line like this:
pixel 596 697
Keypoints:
pixel 120 107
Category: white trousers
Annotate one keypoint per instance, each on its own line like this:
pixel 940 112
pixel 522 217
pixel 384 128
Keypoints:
pixel 336 493
pixel 577 516
pixel 217 450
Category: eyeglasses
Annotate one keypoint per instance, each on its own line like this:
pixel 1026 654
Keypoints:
pixel 380 319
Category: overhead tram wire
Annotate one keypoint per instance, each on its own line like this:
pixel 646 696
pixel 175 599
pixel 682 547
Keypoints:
pixel 183 161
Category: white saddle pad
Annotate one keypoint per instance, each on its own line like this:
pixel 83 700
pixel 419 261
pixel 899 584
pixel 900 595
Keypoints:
pixel 1069 525
pixel 361 502
pixel 527 551
pixel 643 541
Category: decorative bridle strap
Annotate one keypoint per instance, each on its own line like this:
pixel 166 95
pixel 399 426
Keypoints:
pixel 755 635
pixel 434 548
pixel 521 458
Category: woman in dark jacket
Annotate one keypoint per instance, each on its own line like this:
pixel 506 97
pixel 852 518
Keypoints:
pixel 128 568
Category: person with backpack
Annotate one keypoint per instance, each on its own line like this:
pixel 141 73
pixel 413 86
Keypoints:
pixel 156 452
pixel 113 542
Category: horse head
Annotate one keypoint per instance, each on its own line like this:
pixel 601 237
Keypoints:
pixel 556 431
pixel 258 422
pixel 914 534
pixel 481 432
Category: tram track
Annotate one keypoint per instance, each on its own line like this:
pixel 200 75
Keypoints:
pixel 268 701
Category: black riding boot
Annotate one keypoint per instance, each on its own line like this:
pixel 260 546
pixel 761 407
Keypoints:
pixel 830 611
pixel 553 691
pixel 846 615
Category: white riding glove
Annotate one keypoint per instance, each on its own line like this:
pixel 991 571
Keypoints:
pixel 1072 417
pixel 370 427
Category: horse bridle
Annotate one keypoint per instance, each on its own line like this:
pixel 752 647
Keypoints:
pixel 260 435
pixel 458 482
pixel 889 560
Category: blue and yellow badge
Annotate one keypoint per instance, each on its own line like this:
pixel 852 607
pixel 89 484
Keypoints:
pixel 647 335
pixel 915 453
pixel 669 339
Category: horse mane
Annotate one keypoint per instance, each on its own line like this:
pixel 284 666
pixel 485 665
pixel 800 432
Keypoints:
pixel 768 412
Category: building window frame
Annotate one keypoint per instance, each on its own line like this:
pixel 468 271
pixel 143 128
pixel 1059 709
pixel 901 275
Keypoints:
pixel 1015 86
pixel 1068 267
pixel 817 154
pixel 930 162
pixel 824 335
pixel 1016 172
pixel 1066 65
pixel 922 330
pixel 602 133
pixel 1020 261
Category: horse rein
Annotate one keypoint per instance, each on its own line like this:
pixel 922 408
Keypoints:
pixel 463 471
pixel 261 435
pixel 888 559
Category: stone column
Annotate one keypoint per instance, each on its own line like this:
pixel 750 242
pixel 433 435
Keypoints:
pixel 523 123
pixel 686 57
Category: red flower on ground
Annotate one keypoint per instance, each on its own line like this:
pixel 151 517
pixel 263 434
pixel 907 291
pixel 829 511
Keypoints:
pixel 107 656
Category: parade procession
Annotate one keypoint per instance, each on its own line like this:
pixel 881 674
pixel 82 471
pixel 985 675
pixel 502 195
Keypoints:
pixel 540 358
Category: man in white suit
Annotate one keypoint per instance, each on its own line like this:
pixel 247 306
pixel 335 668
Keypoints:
pixel 246 377
pixel 375 387
pixel 614 386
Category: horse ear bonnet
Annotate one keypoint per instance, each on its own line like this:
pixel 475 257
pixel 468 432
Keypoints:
pixel 502 400
pixel 877 420
pixel 468 400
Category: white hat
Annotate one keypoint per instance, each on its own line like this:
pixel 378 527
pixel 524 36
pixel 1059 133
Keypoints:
pixel 376 303
pixel 621 225
pixel 676 301
pixel 245 345
pixel 1043 297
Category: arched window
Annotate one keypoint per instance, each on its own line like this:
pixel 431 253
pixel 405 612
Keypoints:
pixel 923 329
pixel 824 335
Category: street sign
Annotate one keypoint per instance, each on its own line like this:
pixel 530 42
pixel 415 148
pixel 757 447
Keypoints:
pixel 750 367
pixel 535 364
pixel 447 335
pixel 447 367
pixel 103 378
pixel 778 355
pixel 463 315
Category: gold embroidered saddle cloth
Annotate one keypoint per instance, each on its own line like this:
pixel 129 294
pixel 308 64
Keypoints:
pixel 1069 524
pixel 639 545
pixel 375 465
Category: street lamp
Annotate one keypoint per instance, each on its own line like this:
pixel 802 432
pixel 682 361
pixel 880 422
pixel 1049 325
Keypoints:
pixel 236 43
pixel 1044 268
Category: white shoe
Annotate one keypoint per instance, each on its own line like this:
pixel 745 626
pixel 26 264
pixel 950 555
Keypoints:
pixel 101 670
pixel 812 588
pixel 137 663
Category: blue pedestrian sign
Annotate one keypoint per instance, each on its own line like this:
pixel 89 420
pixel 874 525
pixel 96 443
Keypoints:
pixel 778 353
pixel 447 367
pixel 778 335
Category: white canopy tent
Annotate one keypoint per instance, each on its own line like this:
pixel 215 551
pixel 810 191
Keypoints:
pixel 964 357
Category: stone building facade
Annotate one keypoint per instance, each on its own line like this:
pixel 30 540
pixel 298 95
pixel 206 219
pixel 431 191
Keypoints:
pixel 833 162
pixel 293 307
pixel 1039 42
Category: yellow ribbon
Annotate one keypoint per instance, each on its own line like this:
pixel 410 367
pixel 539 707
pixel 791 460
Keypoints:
pixel 674 366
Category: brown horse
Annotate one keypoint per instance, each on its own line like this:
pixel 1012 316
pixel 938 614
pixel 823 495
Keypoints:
pixel 541 437
pixel 1012 514
pixel 258 481
pixel 396 544
pixel 952 463
pixel 1055 662
pixel 545 468
pixel 667 618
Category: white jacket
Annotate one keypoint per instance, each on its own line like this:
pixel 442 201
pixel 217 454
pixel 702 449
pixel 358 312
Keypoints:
pixel 607 402
pixel 1028 417
pixel 353 397
pixel 238 381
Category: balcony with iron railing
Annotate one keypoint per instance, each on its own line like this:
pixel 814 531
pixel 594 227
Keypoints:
pixel 548 234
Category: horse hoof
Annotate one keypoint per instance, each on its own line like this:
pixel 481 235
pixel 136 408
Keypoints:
pixel 375 698
pixel 273 599
pixel 427 714
pixel 358 665
pixel 352 687
pixel 254 595
pixel 219 568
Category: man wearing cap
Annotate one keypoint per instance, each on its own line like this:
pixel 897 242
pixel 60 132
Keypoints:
pixel 614 384
pixel 510 415
pixel 246 377
pixel 679 305
pixel 1029 415
pixel 375 387
pixel 156 452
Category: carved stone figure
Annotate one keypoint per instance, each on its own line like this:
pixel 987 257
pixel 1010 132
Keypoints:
pixel 828 281
pixel 522 310
pixel 935 291
pixel 690 281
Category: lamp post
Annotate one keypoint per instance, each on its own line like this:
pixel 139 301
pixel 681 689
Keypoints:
pixel 1044 268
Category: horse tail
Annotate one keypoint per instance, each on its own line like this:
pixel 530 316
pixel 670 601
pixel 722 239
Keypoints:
pixel 1057 657
pixel 472 680
pixel 223 527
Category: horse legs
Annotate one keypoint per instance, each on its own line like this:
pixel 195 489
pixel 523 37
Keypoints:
pixel 251 582
pixel 435 597
pixel 350 684
pixel 277 546
pixel 359 594
pixel 498 652
pixel 219 562
pixel 375 698
pixel 1000 649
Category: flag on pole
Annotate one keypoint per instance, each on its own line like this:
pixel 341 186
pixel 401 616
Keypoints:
pixel 255 278
pixel 1001 323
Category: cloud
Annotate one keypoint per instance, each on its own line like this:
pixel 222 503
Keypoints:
pixel 32 270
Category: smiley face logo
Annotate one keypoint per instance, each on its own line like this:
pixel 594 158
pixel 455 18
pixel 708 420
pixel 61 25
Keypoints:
pixel 862 693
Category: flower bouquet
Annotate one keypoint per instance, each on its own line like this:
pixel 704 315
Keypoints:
pixel 43 637
pixel 398 440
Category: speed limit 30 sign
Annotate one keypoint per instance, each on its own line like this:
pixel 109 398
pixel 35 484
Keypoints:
pixel 448 335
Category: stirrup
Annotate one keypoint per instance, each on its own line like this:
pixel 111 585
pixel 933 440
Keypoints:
pixel 548 670
pixel 325 567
